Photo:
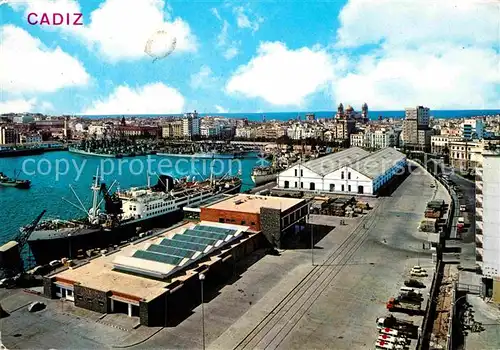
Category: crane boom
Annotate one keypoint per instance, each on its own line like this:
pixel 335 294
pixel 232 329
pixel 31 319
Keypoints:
pixel 27 230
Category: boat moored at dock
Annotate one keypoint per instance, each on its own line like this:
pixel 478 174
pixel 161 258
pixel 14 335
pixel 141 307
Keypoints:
pixel 126 213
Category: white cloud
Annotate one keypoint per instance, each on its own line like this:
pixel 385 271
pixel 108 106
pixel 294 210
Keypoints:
pixel 156 98
pixel 18 106
pixel 282 76
pixel 220 109
pixel 46 106
pixel 22 105
pixel 231 52
pixel 203 78
pixel 413 23
pixel 26 65
pixel 457 79
pixel 215 12
pixel 222 38
pixel 438 53
pixel 243 20
pixel 119 29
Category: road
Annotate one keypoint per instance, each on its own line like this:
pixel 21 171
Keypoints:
pixel 336 303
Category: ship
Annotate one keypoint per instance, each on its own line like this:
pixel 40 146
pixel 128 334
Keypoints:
pixel 264 174
pixel 126 213
pixel 8 182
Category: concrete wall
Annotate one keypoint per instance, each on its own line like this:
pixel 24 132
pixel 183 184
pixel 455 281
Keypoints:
pixel 91 299
pixel 152 313
pixel 231 217
pixel 270 221
pixel 49 288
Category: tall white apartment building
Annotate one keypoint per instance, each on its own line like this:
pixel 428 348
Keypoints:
pixel 488 222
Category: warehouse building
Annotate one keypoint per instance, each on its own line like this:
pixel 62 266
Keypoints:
pixel 352 171
pixel 275 217
pixel 158 278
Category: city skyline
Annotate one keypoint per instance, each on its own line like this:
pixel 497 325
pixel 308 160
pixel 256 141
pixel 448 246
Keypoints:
pixel 259 57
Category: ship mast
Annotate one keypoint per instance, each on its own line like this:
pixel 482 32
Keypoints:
pixel 95 197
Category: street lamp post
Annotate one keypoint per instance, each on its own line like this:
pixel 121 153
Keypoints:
pixel 202 278
pixel 69 246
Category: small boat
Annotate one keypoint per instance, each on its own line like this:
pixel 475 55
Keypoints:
pixel 8 182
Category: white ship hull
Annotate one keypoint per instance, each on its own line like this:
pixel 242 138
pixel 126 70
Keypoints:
pixel 264 179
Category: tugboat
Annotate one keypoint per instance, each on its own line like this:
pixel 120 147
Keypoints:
pixel 8 182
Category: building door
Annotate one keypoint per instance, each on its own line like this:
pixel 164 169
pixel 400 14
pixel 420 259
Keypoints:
pixel 332 187
pixel 360 190
pixel 287 184
pixel 312 186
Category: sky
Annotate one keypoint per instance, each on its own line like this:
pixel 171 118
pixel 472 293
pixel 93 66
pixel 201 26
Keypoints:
pixel 254 56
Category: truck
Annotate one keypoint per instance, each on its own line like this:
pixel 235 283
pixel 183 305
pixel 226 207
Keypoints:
pixel 389 331
pixel 382 344
pixel 406 306
pixel 392 322
pixel 414 283
pixel 392 339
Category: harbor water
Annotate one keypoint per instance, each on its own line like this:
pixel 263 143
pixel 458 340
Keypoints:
pixel 53 173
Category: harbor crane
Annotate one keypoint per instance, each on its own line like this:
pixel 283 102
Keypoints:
pixel 26 231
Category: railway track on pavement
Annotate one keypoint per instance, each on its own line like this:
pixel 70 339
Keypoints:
pixel 270 332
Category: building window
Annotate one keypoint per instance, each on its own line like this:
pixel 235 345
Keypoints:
pixel 342 175
pixel 301 185
pixel 296 184
pixel 332 187
pixel 243 222
pixel 287 184
pixel 343 188
pixel 349 188
pixel 301 172
pixel 349 175
pixel 252 223
pixel 221 220
pixel 295 172
pixel 312 186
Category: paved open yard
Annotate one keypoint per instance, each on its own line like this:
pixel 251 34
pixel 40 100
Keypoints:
pixel 280 301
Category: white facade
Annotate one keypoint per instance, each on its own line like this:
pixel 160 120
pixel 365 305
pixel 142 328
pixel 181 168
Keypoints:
pixel 358 173
pixel 489 213
pixel 472 129
pixel 23 119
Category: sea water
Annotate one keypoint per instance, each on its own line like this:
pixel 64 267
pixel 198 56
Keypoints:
pixel 53 173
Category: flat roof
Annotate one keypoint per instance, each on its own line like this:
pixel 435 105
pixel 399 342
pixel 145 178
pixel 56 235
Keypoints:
pixel 101 273
pixel 249 203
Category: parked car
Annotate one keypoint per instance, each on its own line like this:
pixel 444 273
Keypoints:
pixel 463 207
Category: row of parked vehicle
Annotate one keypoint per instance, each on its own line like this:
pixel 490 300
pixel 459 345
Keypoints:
pixel 395 333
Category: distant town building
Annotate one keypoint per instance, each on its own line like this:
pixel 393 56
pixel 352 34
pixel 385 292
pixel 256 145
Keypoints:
pixel 416 132
pixel 374 139
pixel 472 129
pixel 173 129
pixel 23 119
pixel 30 138
pixel 8 135
pixel 191 125
pixel 465 154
